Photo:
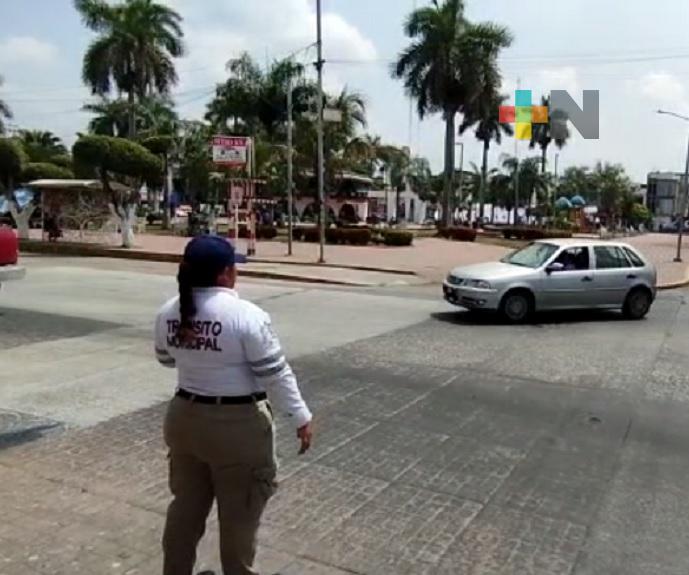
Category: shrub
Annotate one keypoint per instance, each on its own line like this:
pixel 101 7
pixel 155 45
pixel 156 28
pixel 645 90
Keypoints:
pixel 531 234
pixel 312 234
pixel 355 236
pixel 265 232
pixel 461 234
pixel 398 238
pixel 44 170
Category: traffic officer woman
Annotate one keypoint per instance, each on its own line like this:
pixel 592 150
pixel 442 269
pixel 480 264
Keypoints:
pixel 219 426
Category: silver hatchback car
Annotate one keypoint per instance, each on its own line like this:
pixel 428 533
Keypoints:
pixel 557 275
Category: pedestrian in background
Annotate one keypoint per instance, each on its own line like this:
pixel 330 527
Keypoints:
pixel 219 426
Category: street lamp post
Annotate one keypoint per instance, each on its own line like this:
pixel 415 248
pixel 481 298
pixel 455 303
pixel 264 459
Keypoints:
pixel 461 176
pixel 684 192
pixel 319 124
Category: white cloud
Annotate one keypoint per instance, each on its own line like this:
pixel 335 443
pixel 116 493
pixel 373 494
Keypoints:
pixel 663 88
pixel 217 31
pixel 27 50
pixel 564 78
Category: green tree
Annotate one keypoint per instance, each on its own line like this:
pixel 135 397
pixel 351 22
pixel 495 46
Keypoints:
pixel 446 66
pixel 253 101
pixel 530 183
pixel 421 178
pixel 5 112
pixel 154 115
pixel 122 166
pixel 193 157
pixel 41 146
pixel 134 51
pixel 577 181
pixel 614 188
pixel 484 114
pixel 541 134
pixel 12 162
pixel 44 170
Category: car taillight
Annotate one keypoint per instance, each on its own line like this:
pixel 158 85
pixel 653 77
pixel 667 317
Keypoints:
pixel 9 247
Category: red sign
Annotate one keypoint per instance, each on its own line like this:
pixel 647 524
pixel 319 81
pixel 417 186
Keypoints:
pixel 230 150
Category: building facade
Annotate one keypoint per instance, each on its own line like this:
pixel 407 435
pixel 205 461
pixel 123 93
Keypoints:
pixel 663 196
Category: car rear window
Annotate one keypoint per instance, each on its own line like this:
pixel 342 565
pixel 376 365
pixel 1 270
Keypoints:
pixel 636 260
pixel 610 257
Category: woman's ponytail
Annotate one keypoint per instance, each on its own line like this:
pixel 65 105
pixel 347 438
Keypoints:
pixel 187 308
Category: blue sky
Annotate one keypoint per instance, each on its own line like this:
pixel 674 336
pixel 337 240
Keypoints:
pixel 634 51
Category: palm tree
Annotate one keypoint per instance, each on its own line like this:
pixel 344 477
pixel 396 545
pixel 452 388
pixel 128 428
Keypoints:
pixel 531 184
pixel 541 134
pixel 154 115
pixel 134 51
pixel 41 146
pixel 253 100
pixel 445 67
pixel 5 112
pixel 485 116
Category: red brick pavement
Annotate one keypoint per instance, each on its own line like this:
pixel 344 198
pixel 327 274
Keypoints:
pixel 430 258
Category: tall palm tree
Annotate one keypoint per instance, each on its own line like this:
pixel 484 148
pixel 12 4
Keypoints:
pixel 531 184
pixel 5 112
pixel 41 146
pixel 154 115
pixel 445 66
pixel 254 99
pixel 485 116
pixel 541 134
pixel 134 51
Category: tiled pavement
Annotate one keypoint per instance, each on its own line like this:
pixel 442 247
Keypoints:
pixel 416 470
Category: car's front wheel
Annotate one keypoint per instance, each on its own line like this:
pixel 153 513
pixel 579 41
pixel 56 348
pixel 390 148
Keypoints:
pixel 637 304
pixel 517 306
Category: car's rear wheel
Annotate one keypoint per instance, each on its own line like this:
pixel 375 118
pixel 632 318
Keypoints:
pixel 637 303
pixel 517 306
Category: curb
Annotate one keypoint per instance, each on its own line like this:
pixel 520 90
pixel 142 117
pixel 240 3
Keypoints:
pixel 80 250
pixel 394 271
pixel 674 285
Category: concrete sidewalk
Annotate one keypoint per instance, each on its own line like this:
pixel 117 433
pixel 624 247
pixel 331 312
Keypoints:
pixel 432 258
pixel 427 261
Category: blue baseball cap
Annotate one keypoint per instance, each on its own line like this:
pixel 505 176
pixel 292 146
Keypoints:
pixel 212 252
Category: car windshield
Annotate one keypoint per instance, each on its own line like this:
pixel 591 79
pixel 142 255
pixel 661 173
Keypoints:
pixel 532 256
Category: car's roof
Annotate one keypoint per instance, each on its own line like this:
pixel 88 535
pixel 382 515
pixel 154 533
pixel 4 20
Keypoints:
pixel 566 242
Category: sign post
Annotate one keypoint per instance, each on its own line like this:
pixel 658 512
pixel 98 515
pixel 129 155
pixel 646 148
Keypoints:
pixel 238 152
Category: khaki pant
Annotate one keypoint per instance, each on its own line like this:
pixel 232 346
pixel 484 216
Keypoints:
pixel 222 452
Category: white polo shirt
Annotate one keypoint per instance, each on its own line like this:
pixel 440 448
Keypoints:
pixel 235 351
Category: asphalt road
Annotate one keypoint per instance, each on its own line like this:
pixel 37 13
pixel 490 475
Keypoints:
pixel 447 443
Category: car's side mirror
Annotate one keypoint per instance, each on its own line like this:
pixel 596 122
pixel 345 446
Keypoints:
pixel 555 267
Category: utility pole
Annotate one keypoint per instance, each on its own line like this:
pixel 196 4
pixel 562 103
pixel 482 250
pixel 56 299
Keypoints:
pixel 516 170
pixel 557 183
pixel 290 185
pixel 683 195
pixel 461 176
pixel 321 183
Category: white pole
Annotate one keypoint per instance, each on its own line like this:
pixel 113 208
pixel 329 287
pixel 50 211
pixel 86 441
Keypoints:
pixel 683 194
pixel 290 185
pixel 321 183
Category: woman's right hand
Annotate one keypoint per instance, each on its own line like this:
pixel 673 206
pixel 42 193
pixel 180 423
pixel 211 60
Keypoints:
pixel 305 434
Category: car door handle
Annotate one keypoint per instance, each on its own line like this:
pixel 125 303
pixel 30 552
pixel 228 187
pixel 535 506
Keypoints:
pixel 632 276
pixel 587 279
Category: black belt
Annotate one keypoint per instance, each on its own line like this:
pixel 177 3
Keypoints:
pixel 222 399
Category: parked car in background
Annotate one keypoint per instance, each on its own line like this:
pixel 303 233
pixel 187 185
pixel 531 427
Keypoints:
pixel 673 227
pixel 9 256
pixel 557 275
